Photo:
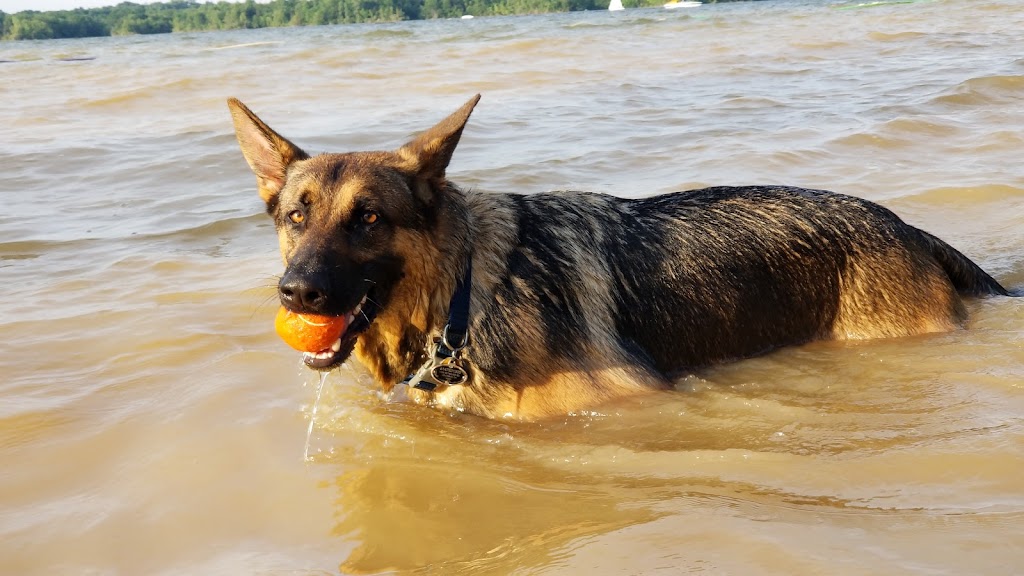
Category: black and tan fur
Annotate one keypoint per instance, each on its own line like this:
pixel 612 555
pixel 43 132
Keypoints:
pixel 579 298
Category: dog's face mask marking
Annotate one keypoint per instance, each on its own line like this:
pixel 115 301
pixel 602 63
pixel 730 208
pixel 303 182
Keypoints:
pixel 338 217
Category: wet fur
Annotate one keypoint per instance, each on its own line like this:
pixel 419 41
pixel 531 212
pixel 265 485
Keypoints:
pixel 578 298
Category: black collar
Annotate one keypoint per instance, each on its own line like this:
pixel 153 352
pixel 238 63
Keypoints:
pixel 453 339
pixel 456 332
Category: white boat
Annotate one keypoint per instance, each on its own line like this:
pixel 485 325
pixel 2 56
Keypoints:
pixel 682 4
pixel 615 6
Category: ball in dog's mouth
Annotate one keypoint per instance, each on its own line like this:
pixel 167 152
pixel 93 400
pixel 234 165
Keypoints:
pixel 325 341
pixel 309 332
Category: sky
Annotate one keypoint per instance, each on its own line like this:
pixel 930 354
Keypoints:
pixel 12 6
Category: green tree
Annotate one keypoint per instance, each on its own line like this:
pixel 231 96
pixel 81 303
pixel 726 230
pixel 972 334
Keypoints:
pixel 29 27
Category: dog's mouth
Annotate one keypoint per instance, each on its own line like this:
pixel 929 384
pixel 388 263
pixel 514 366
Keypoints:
pixel 357 321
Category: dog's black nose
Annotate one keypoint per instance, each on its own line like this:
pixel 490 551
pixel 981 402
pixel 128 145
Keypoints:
pixel 302 293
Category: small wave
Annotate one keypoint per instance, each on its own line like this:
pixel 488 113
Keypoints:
pixel 143 93
pixel 226 226
pixel 10 58
pixel 984 90
pixel 20 426
pixel 999 141
pixel 895 37
pixel 921 126
pixel 389 34
pixel 243 45
pixel 872 4
pixel 516 46
pixel 870 140
pixel 595 24
pixel 26 249
pixel 117 100
pixel 948 196
pixel 819 44
pixel 749 103
pixel 613 23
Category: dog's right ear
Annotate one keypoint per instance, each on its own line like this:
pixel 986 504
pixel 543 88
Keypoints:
pixel 268 153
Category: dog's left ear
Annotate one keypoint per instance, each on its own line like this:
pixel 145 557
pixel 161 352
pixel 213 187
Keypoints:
pixel 268 153
pixel 429 153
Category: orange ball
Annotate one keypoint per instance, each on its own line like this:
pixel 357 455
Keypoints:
pixel 308 332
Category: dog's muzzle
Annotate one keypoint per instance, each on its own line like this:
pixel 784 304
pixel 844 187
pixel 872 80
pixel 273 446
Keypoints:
pixel 356 322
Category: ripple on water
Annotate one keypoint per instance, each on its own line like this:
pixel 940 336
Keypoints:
pixel 983 90
pixel 951 196
pixel 896 36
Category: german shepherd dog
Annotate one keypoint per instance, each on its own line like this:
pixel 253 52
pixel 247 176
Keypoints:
pixel 572 298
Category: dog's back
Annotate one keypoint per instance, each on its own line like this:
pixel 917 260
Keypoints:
pixel 685 280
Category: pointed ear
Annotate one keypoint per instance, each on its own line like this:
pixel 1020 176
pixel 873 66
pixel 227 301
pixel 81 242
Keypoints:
pixel 429 153
pixel 268 153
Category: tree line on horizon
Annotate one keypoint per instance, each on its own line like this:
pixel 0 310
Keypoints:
pixel 190 16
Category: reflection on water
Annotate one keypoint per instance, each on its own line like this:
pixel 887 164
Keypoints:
pixel 152 423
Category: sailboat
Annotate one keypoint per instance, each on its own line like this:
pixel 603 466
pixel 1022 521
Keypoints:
pixel 615 6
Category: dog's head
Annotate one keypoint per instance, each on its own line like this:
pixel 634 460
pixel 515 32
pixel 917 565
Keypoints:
pixel 343 220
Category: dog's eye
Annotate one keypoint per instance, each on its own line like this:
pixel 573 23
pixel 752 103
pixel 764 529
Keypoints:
pixel 297 216
pixel 370 217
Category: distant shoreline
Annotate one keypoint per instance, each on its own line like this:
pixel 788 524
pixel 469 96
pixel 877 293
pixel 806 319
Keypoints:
pixel 127 19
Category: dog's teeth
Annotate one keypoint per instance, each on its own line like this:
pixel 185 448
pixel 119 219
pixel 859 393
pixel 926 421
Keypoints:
pixel 337 345
pixel 357 310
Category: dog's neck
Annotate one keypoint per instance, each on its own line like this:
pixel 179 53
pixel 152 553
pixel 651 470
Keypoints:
pixel 445 365
pixel 397 342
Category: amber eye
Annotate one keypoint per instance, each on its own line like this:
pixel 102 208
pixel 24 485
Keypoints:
pixel 370 217
pixel 297 216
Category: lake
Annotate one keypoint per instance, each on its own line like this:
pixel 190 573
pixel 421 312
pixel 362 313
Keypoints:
pixel 151 422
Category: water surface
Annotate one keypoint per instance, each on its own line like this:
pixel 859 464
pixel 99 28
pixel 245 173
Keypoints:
pixel 151 422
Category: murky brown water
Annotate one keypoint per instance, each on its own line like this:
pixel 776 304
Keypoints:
pixel 151 422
